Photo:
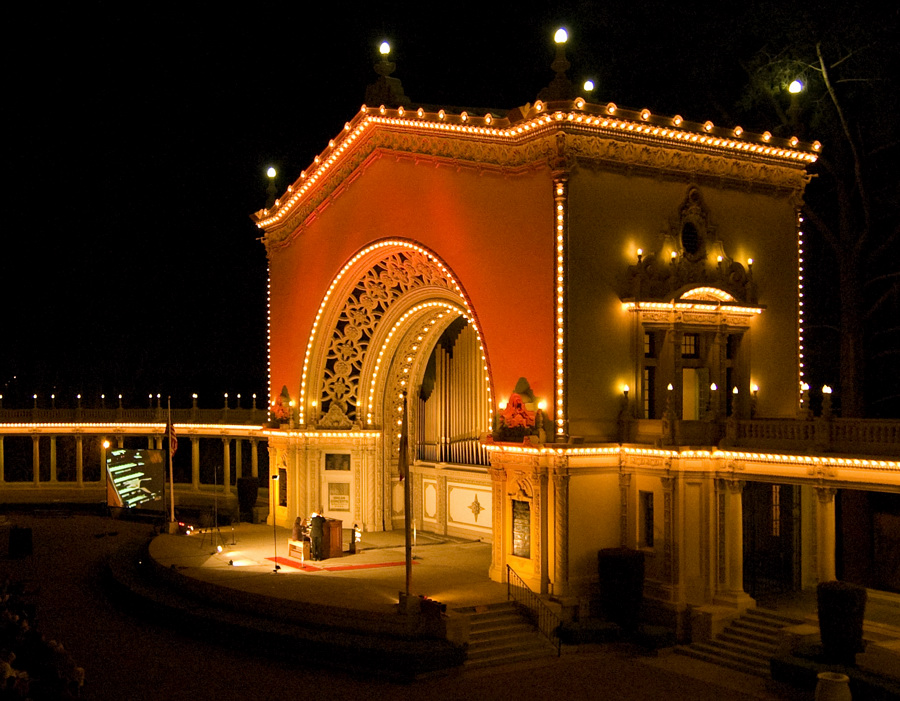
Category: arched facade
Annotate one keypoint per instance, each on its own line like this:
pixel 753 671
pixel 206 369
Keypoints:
pixel 379 332
pixel 638 283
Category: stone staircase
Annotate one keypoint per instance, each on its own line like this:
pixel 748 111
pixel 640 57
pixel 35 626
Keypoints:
pixel 746 645
pixel 500 635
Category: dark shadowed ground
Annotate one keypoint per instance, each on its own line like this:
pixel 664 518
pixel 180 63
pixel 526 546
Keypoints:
pixel 127 656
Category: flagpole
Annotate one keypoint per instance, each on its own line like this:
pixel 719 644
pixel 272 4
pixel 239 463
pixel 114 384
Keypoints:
pixel 407 491
pixel 170 430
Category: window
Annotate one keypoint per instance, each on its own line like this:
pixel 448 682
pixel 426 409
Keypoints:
pixel 649 344
pixel 645 520
pixel 690 346
pixel 649 395
pixel 282 487
pixel 776 510
pixel 337 461
pixel 521 525
pixel 690 238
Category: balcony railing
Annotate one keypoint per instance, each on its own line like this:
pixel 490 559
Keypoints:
pixel 862 437
pixel 149 415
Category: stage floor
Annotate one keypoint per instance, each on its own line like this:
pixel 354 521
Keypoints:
pixel 450 570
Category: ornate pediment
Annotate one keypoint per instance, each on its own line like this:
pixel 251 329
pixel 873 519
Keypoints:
pixel 690 263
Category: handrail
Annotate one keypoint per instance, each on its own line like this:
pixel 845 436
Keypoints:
pixel 547 622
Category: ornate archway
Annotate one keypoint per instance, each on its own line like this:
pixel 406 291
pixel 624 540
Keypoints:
pixel 389 313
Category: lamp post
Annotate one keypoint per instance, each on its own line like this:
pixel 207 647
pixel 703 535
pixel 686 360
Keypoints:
pixel 274 533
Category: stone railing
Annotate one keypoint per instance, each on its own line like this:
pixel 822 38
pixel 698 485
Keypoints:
pixel 862 437
pixel 879 437
pixel 150 415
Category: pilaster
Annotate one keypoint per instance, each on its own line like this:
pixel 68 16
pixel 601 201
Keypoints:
pixel 825 534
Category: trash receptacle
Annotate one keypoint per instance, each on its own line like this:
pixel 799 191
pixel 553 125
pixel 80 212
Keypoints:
pixel 21 543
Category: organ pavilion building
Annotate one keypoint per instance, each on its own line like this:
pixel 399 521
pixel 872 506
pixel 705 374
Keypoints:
pixel 597 316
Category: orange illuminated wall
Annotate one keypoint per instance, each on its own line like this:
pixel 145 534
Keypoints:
pixel 494 231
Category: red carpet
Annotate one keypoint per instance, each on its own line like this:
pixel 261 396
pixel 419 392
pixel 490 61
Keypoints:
pixel 341 568
pixel 297 565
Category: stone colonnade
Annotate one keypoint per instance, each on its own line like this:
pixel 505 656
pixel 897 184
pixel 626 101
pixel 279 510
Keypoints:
pixel 154 442
pixel 685 514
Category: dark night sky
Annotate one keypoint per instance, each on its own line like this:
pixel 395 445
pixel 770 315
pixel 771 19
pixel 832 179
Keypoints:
pixel 137 140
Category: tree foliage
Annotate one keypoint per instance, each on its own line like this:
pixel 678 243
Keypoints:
pixel 848 64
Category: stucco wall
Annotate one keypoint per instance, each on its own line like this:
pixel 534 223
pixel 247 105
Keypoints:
pixel 494 231
pixel 611 215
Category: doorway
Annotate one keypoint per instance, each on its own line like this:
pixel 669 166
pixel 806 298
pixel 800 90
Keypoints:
pixel 771 539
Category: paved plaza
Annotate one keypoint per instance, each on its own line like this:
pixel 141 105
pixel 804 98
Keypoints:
pixel 129 655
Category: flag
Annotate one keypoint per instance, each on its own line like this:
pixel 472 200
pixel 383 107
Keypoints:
pixel 403 462
pixel 173 439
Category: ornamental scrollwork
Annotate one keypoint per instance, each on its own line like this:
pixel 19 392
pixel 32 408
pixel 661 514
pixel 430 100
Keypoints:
pixel 379 287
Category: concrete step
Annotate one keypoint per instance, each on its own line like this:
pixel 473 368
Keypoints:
pixel 497 660
pixel 760 647
pixel 746 644
pixel 500 635
pixel 772 617
pixel 500 632
pixel 504 647
pixel 746 666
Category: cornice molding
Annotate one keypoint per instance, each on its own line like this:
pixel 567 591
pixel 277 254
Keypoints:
pixel 543 147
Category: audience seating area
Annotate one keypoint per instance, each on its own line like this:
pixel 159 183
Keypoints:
pixel 31 667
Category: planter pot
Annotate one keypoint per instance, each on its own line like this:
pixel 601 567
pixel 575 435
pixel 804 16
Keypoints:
pixel 621 573
pixel 842 606
pixel 833 687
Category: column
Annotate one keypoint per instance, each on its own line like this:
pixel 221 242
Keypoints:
pixel 120 441
pixel 103 475
pixel 195 463
pixel 151 444
pixel 625 541
pixel 36 459
pixel 670 554
pixel 825 567
pixel 734 546
pixel 53 459
pixel 500 545
pixel 254 458
pixel 2 463
pixel 237 458
pixel 226 465
pixel 79 460
pixel 561 546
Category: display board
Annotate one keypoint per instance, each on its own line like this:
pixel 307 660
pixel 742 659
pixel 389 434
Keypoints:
pixel 135 479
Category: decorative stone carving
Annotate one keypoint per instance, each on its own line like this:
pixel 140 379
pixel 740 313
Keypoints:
pixel 386 281
pixel 335 418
